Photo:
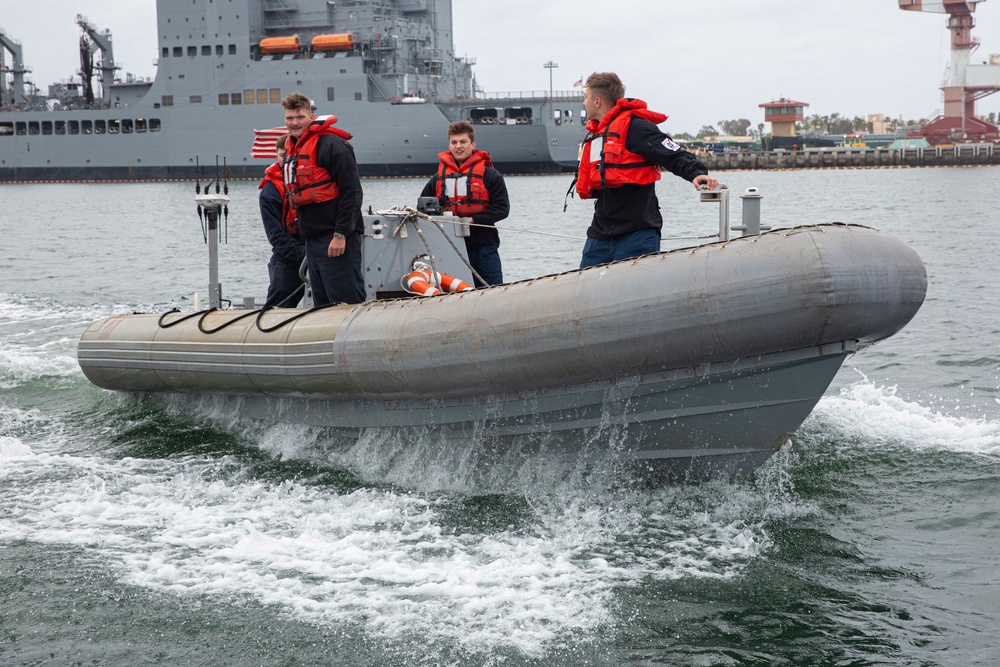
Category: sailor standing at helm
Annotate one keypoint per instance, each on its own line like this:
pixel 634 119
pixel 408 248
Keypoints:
pixel 467 184
pixel 620 162
pixel 322 183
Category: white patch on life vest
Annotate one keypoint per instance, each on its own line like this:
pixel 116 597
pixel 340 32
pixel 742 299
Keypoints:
pixel 456 186
pixel 668 143
pixel 596 146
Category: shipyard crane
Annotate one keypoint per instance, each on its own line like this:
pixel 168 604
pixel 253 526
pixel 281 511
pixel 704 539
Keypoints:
pixel 103 42
pixel 964 83
pixel 17 70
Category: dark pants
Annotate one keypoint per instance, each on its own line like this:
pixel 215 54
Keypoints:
pixel 642 242
pixel 335 279
pixel 283 292
pixel 486 262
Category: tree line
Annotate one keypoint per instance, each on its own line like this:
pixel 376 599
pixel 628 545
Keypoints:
pixel 830 124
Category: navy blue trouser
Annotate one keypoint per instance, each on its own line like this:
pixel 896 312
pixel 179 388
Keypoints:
pixel 642 242
pixel 335 279
pixel 486 262
pixel 284 281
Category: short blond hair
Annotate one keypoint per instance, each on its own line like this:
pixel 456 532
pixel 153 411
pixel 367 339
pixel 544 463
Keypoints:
pixel 606 85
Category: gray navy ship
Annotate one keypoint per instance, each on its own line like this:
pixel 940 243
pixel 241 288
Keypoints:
pixel 386 68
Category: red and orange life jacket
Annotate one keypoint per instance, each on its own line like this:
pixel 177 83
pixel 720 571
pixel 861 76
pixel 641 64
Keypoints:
pixel 463 188
pixel 274 176
pixel 605 162
pixel 305 181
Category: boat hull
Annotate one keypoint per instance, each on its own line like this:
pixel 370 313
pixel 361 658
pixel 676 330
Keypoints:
pixel 712 354
pixel 688 424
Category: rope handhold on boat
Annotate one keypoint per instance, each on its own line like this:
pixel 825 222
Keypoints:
pixel 425 281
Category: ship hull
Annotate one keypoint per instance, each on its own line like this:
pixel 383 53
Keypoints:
pixel 389 140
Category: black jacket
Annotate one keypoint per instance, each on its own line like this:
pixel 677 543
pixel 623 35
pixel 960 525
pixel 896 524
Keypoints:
pixel 284 246
pixel 631 208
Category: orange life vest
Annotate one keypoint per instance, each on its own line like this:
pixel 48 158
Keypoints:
pixel 605 162
pixel 274 176
pixel 305 181
pixel 462 189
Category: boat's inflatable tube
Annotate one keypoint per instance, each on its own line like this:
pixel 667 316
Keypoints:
pixel 782 290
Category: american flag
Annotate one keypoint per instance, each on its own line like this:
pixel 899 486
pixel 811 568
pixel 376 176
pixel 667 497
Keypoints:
pixel 263 142
pixel 579 83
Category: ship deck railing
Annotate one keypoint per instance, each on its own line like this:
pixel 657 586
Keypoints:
pixel 533 95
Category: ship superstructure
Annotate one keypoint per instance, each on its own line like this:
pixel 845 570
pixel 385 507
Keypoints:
pixel 386 68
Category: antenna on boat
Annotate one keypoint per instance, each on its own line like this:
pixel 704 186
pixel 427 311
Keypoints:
pixel 225 190
pixel 197 191
pixel 213 205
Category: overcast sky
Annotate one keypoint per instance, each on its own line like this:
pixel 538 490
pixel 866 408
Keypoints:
pixel 697 62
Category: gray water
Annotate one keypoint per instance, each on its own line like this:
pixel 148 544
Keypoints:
pixel 134 535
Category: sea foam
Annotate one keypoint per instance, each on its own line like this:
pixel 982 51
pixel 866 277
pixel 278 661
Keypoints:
pixel 386 561
pixel 879 416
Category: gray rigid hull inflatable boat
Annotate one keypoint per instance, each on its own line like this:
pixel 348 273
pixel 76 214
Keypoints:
pixel 703 360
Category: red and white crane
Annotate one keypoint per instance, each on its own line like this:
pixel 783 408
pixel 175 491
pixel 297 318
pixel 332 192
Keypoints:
pixel 964 82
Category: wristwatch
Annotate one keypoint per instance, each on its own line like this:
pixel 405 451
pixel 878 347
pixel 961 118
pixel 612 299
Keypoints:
pixel 338 235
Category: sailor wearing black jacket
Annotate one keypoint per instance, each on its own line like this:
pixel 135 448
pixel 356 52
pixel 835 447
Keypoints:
pixel 469 186
pixel 621 175
pixel 323 184
pixel 287 251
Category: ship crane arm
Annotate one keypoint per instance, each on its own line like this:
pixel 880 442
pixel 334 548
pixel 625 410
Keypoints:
pixel 940 6
pixel 103 42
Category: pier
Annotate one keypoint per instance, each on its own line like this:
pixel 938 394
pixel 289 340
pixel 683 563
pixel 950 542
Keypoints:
pixel 967 155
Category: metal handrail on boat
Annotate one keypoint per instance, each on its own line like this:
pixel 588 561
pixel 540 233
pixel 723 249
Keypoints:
pixel 751 211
